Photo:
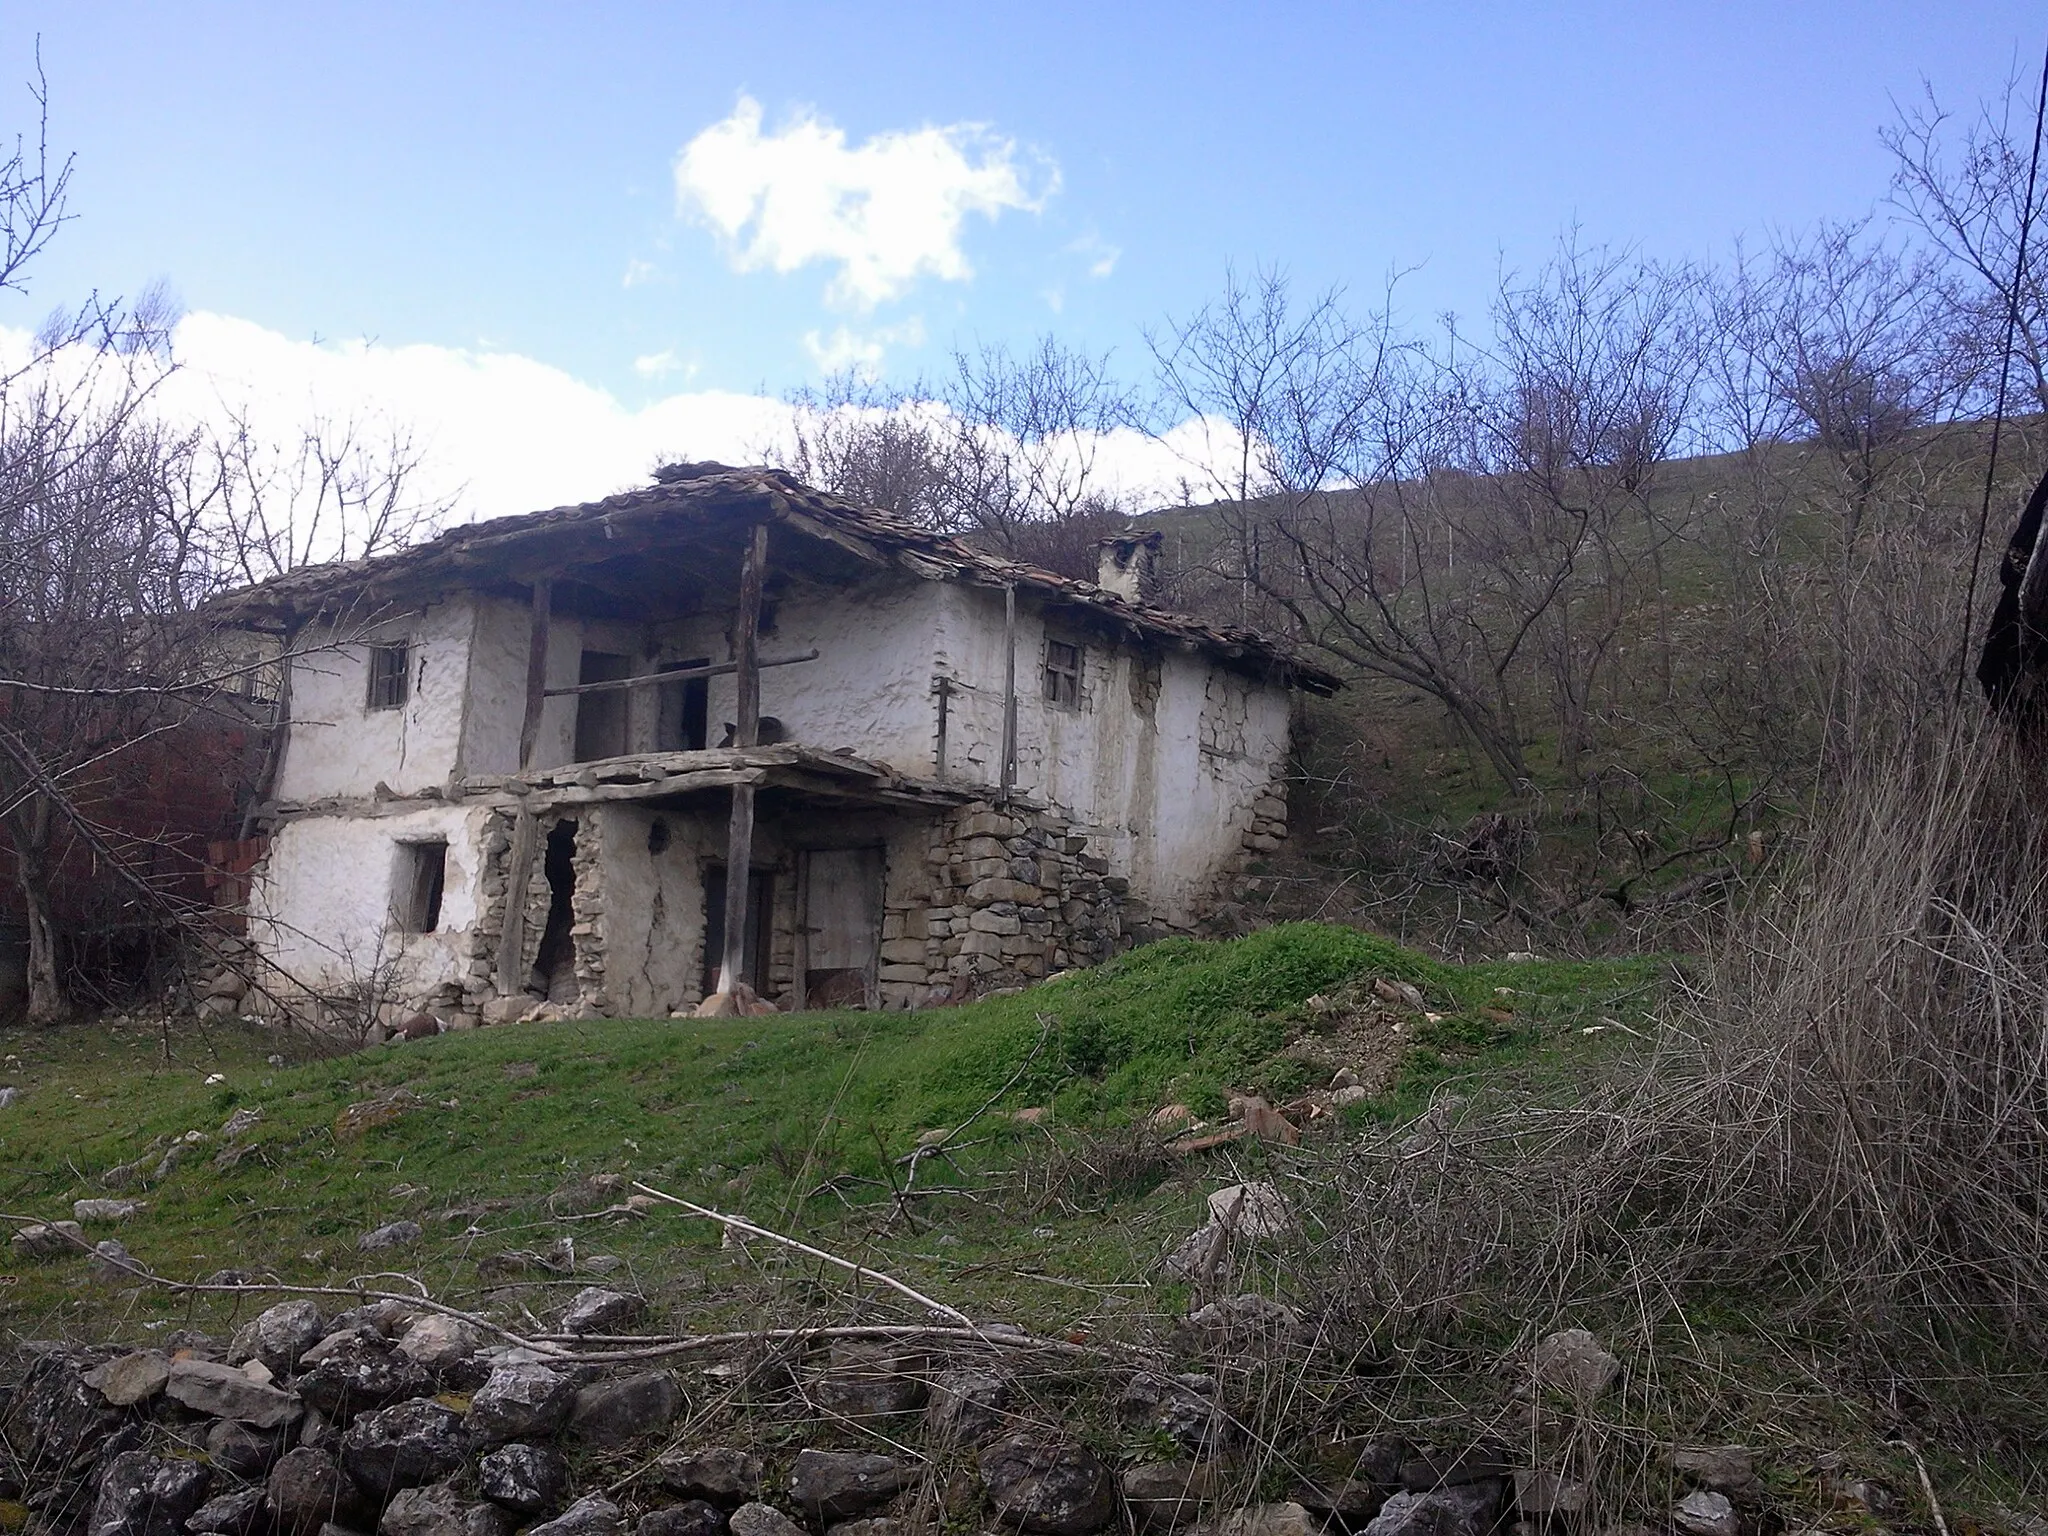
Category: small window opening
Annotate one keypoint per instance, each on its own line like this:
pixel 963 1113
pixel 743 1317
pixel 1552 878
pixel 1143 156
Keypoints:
pixel 658 837
pixel 422 875
pixel 601 717
pixel 389 674
pixel 685 709
pixel 1062 674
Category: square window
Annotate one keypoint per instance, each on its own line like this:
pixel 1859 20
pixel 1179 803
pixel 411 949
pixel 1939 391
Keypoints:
pixel 390 675
pixel 1062 674
pixel 420 878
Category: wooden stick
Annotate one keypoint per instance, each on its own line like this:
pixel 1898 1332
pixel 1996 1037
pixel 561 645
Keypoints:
pixel 741 1224
pixel 739 840
pixel 536 669
pixel 678 675
pixel 518 872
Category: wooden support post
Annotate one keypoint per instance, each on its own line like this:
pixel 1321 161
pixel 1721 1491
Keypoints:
pixel 536 670
pixel 518 871
pixel 1009 773
pixel 739 842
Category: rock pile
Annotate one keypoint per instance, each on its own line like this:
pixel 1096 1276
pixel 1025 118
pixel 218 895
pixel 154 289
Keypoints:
pixel 409 1423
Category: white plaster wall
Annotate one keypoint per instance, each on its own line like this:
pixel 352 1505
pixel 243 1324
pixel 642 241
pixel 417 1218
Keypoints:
pixel 339 746
pixel 321 906
pixel 654 906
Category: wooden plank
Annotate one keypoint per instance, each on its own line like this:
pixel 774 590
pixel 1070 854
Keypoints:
pixel 536 669
pixel 679 675
pixel 1009 767
pixel 518 872
pixel 739 840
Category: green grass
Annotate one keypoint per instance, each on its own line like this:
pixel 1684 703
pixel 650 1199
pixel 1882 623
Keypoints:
pixel 794 1120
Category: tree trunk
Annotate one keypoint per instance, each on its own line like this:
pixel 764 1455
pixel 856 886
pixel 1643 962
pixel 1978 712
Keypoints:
pixel 47 1002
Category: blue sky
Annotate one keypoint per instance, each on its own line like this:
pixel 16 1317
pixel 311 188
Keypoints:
pixel 501 181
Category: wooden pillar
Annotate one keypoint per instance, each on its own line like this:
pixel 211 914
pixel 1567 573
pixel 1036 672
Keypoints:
pixel 739 841
pixel 518 873
pixel 536 670
pixel 1009 769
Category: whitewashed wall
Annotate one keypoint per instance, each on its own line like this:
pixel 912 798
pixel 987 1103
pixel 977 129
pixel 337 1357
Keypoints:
pixel 322 903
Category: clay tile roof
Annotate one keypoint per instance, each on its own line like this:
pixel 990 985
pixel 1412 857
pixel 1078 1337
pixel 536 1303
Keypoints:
pixel 699 493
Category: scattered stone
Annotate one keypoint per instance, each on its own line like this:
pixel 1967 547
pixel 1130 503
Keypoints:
pixel 830 1486
pixel 111 1260
pixel 240 1123
pixel 307 1490
pixel 438 1510
pixel 875 1525
pixel 1350 1501
pixel 762 1520
pixel 242 1451
pixel 359 1119
pixel 1263 1122
pixel 222 1392
pixel 49 1239
pixel 357 1372
pixel 1251 1210
pixel 1573 1361
pixel 1183 1408
pixel 717 1474
pixel 526 1479
pixel 1705 1513
pixel 692 1517
pixel 393 1234
pixel 107 1210
pixel 597 1310
pixel 966 1406
pixel 1247 1317
pixel 612 1413
pixel 438 1341
pixel 145 1495
pixel 1427 1470
pixel 389 1318
pixel 1349 1094
pixel 869 1380
pixel 592 1515
pixel 520 1401
pixel 1547 1494
pixel 1724 1468
pixel 1401 993
pixel 1048 1487
pixel 1191 1255
pixel 130 1379
pixel 9 1097
pixel 1171 1120
pixel 1164 1495
pixel 1288 1519
pixel 405 1446
pixel 1470 1509
pixel 241 1513
pixel 279 1336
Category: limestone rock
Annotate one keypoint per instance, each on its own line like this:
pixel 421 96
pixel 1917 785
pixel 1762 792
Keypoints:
pixel 717 1474
pixel 404 1446
pixel 242 1451
pixel 1470 1509
pixel 279 1336
pixel 1431 1469
pixel 611 1413
pixel 307 1490
pixel 145 1495
pixel 1048 1487
pixel 49 1240
pixel 592 1515
pixel 1285 1519
pixel 53 1415
pixel 527 1479
pixel 438 1341
pixel 830 1486
pixel 868 1380
pixel 1164 1495
pixel 393 1234
pixel 130 1379
pixel 360 1371
pixel 438 1510
pixel 692 1517
pixel 112 1261
pixel 1723 1468
pixel 107 1210
pixel 523 1400
pixel 597 1310
pixel 876 1525
pixel 1545 1494
pixel 762 1520
pixel 1572 1361
pixel 226 1393
pixel 1247 1319
pixel 966 1406
pixel 241 1513
pixel 1705 1513
pixel 1184 1408
pixel 1251 1210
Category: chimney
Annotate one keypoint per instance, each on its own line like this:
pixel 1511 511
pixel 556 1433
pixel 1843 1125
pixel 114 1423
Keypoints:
pixel 1127 564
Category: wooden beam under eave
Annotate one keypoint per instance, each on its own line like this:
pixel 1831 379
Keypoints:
pixel 739 842
pixel 536 669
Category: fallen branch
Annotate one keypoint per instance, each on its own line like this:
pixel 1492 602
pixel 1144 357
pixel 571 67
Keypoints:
pixel 741 1224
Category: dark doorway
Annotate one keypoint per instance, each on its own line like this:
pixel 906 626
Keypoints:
pixel 685 710
pixel 842 927
pixel 601 717
pixel 554 969
pixel 760 921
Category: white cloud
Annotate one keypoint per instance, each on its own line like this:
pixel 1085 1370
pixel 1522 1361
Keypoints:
pixel 885 212
pixel 1100 255
pixel 638 272
pixel 659 365
pixel 861 350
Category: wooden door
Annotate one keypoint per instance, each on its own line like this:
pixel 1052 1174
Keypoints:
pixel 842 926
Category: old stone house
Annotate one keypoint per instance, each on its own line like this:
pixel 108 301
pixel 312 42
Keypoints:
pixel 515 759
